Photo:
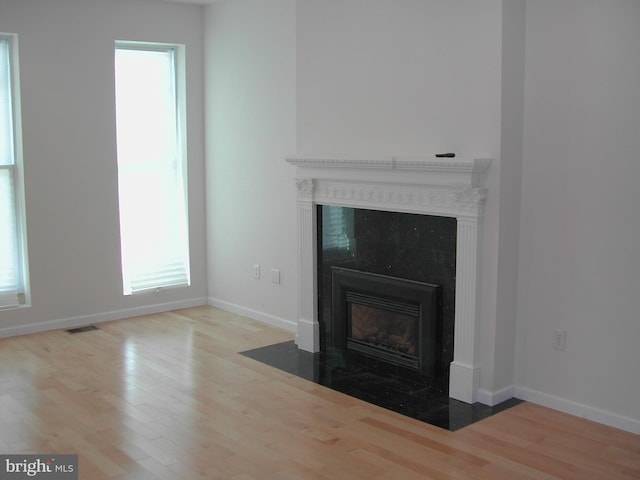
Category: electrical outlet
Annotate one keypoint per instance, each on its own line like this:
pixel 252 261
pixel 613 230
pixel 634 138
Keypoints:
pixel 559 339
pixel 275 275
pixel 256 271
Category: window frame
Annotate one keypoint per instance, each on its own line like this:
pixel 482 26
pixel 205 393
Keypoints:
pixel 178 55
pixel 15 169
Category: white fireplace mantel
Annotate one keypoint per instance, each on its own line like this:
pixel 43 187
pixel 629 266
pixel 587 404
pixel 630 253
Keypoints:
pixel 448 187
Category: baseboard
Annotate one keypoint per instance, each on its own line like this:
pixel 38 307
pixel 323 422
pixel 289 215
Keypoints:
pixel 272 320
pixel 494 398
pixel 82 320
pixel 463 381
pixel 578 409
pixel 308 336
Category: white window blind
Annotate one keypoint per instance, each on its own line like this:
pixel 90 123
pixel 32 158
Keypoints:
pixel 12 271
pixel 151 169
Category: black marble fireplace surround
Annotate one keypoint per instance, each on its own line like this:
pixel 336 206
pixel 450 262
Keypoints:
pixel 368 380
pixel 420 248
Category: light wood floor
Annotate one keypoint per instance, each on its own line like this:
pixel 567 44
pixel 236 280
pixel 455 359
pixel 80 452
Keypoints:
pixel 168 396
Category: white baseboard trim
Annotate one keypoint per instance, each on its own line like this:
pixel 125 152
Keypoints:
pixel 308 336
pixel 272 320
pixel 487 397
pixel 578 409
pixel 83 320
pixel 464 380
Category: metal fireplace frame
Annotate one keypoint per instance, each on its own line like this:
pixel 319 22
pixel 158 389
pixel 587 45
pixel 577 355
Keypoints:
pixel 421 300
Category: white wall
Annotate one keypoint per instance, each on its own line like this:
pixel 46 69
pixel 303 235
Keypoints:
pixel 250 78
pixel 580 253
pixel 66 67
pixel 499 337
pixel 384 77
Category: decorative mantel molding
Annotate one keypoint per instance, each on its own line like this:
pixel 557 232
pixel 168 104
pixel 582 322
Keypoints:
pixel 446 187
pixel 443 171
pixel 398 163
pixel 460 201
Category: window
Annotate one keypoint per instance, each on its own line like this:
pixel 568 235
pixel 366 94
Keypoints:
pixel 13 271
pixel 150 127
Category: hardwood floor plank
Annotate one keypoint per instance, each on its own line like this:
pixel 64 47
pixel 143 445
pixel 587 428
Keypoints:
pixel 168 396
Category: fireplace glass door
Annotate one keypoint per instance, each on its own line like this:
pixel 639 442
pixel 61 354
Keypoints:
pixel 392 319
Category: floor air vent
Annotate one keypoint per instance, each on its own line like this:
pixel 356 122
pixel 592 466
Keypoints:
pixel 88 328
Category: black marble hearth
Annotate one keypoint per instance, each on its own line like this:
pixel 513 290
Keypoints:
pixel 369 380
pixel 405 247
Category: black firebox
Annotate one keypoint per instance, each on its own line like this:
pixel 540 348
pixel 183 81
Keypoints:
pixel 392 319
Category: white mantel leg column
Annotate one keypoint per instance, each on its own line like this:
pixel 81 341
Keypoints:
pixel 464 377
pixel 308 333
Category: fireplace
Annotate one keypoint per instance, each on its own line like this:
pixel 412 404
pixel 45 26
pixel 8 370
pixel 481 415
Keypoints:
pixel 451 188
pixel 391 319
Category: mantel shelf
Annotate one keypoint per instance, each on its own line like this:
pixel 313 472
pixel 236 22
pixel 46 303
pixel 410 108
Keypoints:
pixel 444 171
pixel 392 163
